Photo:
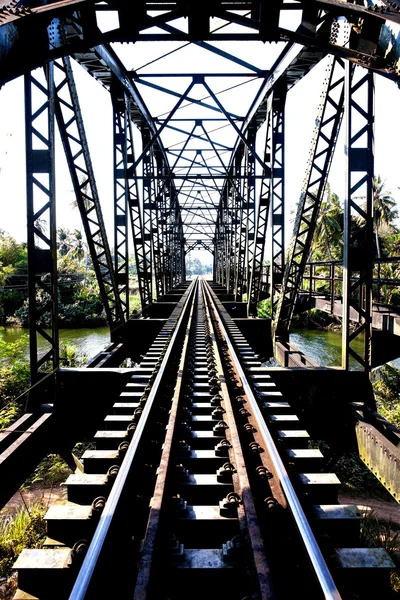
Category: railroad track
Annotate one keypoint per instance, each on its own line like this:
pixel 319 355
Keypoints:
pixel 202 482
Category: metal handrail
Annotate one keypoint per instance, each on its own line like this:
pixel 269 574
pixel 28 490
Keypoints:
pixel 90 561
pixel 317 561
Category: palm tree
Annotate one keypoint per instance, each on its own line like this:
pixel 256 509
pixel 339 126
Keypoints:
pixel 78 245
pixel 327 240
pixel 63 241
pixel 384 211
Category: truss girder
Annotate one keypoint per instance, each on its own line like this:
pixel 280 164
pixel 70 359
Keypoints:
pixel 121 245
pixel 261 223
pixel 149 207
pixel 277 205
pixel 358 206
pixel 371 43
pixel 159 236
pixel 41 221
pixel 73 136
pixel 204 169
pixel 251 203
pixel 230 190
pixel 323 143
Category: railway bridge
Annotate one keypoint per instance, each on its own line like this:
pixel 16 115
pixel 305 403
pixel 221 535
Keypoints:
pixel 208 471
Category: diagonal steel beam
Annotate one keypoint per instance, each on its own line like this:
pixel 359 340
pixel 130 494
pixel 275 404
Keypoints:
pixel 328 121
pixel 70 121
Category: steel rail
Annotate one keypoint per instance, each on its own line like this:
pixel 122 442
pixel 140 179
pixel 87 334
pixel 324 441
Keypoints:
pixel 321 570
pixel 153 523
pixel 246 510
pixel 90 561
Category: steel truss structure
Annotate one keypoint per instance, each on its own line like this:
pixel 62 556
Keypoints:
pixel 42 236
pixel 192 168
pixel 327 127
pixel 73 136
pixel 358 253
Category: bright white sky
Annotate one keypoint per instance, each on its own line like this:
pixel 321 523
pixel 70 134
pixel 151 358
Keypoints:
pixel 302 103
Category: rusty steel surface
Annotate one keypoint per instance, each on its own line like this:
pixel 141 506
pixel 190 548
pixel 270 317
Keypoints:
pixel 380 455
pixel 149 542
pixel 248 519
pixel 89 564
pixel 322 573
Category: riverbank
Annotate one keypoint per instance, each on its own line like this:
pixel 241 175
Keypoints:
pixel 316 319
pixel 89 340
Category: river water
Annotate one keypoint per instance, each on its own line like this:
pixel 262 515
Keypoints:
pixel 324 347
pixel 89 341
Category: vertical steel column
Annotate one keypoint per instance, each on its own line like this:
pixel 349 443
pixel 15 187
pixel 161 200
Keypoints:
pixel 167 252
pixel 241 185
pixel 163 196
pixel 215 254
pixel 177 243
pixel 221 249
pixel 121 249
pixel 181 251
pixel 238 215
pixel 261 224
pixel 220 242
pixel 278 199
pixel 157 230
pixel 358 238
pixel 173 240
pixel 218 253
pixel 228 231
pixel 232 235
pixel 41 217
pixel 251 204
pixel 148 206
pixel 135 213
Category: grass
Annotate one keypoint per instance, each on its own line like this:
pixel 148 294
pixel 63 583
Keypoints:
pixel 26 529
pixel 379 533
pixel 387 392
pixel 51 471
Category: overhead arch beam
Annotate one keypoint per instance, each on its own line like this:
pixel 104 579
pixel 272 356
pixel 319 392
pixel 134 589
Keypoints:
pixel 372 44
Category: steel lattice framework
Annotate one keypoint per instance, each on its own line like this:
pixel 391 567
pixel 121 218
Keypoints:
pixel 188 169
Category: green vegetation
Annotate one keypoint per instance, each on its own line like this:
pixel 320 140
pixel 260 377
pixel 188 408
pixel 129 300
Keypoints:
pixel 79 300
pixel 380 533
pixel 316 319
pixel 14 380
pixel 51 471
pixel 357 480
pixel 264 309
pixel 13 260
pixel 327 243
pixel 195 267
pixel 14 376
pixel 386 387
pixel 328 237
pixel 26 529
